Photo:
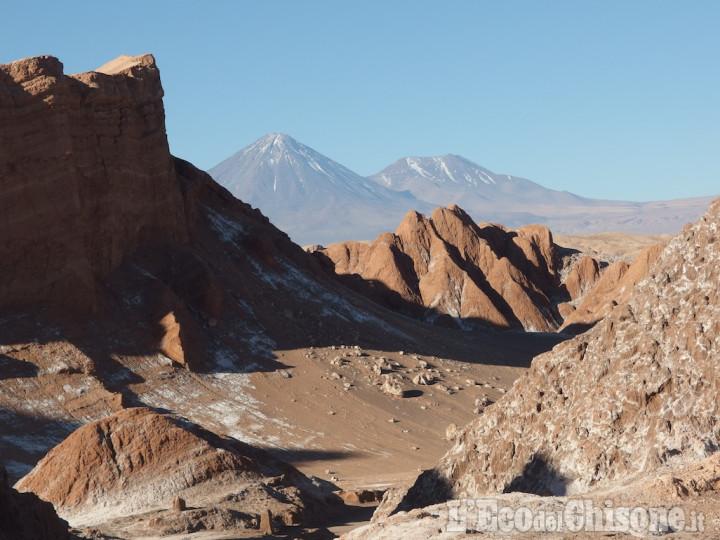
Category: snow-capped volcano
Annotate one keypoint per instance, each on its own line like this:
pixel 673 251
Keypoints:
pixel 454 179
pixel 514 201
pixel 308 195
pixel 278 166
pixel 449 169
pixel 318 201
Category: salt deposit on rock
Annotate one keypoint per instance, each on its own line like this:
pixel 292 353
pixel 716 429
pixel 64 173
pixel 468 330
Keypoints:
pixel 635 394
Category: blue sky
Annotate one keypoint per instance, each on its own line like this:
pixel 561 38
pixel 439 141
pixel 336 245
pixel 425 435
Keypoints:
pixel 612 99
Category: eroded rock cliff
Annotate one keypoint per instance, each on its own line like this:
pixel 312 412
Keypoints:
pixel 86 176
pixel 447 267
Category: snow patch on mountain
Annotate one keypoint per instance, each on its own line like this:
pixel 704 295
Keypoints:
pixel 316 200
pixel 308 195
pixel 439 170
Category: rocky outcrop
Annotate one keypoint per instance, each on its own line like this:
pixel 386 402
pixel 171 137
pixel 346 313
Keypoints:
pixel 24 515
pixel 634 395
pixel 86 176
pixel 448 268
pixel 99 219
pixel 582 277
pixel 613 287
pixel 130 278
pixel 137 460
pixel 691 490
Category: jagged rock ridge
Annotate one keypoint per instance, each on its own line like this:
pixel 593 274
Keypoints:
pixel 447 266
pixel 634 395
pixel 597 293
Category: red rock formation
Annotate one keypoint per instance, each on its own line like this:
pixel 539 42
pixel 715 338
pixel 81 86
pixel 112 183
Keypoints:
pixel 614 287
pixel 137 460
pixel 450 266
pixel 86 176
pixel 97 211
pixel 634 395
pixel 121 264
pixel 582 277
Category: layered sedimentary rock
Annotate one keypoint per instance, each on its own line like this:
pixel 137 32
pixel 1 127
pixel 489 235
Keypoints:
pixel 129 278
pixel 98 216
pixel 448 266
pixel 137 460
pixel 86 176
pixel 634 395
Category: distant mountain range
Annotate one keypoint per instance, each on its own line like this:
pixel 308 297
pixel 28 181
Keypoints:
pixel 318 201
pixel 309 196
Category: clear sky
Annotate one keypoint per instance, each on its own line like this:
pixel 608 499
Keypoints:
pixel 616 99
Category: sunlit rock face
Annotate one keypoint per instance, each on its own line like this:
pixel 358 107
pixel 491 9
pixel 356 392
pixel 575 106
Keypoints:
pixel 446 268
pixel 636 393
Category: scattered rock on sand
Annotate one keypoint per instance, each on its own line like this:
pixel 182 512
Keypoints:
pixel 451 432
pixel 423 379
pixel 392 388
pixel 179 504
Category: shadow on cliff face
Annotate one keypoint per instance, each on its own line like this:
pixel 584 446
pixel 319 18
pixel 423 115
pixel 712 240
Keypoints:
pixel 538 477
pixel 13 368
pixel 429 488
pixel 26 438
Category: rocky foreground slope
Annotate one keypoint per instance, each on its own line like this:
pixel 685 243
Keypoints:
pixel 25 515
pixel 628 401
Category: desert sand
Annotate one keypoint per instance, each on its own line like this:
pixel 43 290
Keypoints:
pixel 609 245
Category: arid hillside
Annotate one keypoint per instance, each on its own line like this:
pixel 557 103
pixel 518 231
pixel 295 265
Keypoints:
pixel 132 280
pixel 171 363
pixel 633 400
pixel 135 460
pixel 448 268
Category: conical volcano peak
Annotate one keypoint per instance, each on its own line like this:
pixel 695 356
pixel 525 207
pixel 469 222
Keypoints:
pixel 302 191
pixel 280 141
pixel 273 143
